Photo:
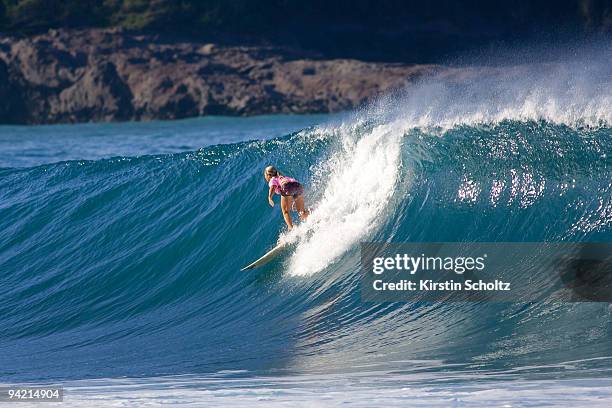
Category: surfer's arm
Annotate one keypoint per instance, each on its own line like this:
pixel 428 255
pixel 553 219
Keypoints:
pixel 270 195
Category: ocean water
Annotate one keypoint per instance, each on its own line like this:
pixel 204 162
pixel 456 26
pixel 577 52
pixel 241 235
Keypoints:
pixel 28 146
pixel 121 245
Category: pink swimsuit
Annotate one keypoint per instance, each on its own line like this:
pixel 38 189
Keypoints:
pixel 286 186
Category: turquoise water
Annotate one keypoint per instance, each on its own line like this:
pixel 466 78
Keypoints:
pixel 121 247
pixel 27 146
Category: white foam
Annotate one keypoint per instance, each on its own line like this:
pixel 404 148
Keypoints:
pixel 359 179
pixel 358 182
pixel 336 390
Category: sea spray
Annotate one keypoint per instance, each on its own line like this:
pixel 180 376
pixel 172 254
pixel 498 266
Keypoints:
pixel 360 178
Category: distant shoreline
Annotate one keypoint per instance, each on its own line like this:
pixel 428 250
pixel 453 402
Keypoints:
pixel 104 75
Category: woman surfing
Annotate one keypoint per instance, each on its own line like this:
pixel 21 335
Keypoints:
pixel 291 192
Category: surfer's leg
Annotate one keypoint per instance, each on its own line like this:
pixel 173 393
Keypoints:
pixel 286 202
pixel 299 203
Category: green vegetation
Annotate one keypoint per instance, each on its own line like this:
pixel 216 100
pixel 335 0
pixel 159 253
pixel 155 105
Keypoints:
pixel 370 29
pixel 38 15
pixel 245 16
pixel 30 16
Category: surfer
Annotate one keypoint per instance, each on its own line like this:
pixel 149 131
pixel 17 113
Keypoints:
pixel 291 192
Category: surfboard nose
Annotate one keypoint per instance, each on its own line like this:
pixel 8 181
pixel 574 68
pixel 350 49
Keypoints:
pixel 267 257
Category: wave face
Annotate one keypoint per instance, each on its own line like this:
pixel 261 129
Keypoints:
pixel 130 265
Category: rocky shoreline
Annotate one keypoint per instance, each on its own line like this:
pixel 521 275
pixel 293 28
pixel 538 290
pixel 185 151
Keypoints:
pixel 67 76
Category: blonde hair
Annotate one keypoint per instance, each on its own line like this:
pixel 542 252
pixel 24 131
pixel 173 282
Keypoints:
pixel 271 171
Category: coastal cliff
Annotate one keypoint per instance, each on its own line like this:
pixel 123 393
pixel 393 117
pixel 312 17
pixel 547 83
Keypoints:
pixel 66 76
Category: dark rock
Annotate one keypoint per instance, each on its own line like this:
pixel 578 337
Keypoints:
pixel 108 75
pixel 8 95
pixel 99 95
pixel 13 109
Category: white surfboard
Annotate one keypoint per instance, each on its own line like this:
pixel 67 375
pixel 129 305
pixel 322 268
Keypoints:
pixel 267 257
